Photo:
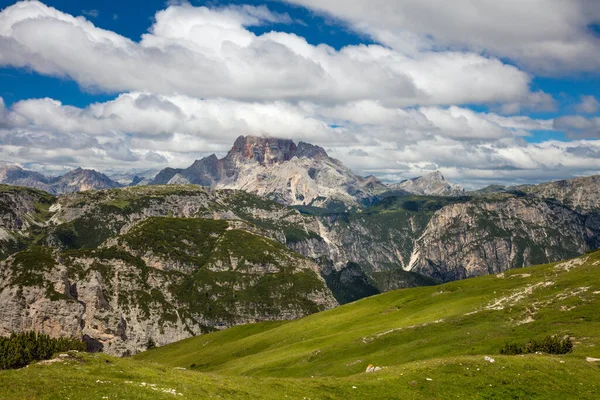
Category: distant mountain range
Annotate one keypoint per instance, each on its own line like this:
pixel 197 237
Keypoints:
pixel 117 266
pixel 278 169
pixel 77 180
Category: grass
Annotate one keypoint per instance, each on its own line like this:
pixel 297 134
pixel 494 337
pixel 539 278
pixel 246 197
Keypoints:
pixel 395 328
pixel 430 341
pixel 471 377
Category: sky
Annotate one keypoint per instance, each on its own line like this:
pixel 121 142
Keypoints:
pixel 487 92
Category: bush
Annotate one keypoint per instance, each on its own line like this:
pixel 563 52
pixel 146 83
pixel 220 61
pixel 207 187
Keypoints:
pixel 21 349
pixel 150 344
pixel 549 345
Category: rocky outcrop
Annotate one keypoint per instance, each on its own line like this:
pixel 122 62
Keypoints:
pixel 490 236
pixel 582 194
pixel 206 275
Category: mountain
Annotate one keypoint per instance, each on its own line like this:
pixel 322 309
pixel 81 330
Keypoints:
pixel 73 181
pixel 23 215
pixel 280 170
pixel 433 184
pixel 173 261
pixel 117 266
pixel 429 343
pixel 489 189
pixel 580 194
pixel 15 175
pixel 133 178
pixel 488 235
pixel 80 180
pixel 277 169
pixel 178 260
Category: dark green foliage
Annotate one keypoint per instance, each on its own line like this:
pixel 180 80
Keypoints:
pixel 511 349
pixel 150 344
pixel 91 230
pixel 249 248
pixel 350 284
pixel 188 241
pixel 420 204
pixel 29 266
pixel 397 278
pixel 21 349
pixel 295 235
pixel 549 345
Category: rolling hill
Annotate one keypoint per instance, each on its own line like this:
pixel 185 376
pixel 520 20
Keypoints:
pixel 431 342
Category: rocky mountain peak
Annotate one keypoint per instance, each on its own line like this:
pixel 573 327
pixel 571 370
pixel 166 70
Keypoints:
pixel 82 179
pixel 432 184
pixel 265 151
pixel 310 151
pixel 14 172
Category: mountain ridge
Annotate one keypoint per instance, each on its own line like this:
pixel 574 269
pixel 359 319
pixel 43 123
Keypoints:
pixel 76 180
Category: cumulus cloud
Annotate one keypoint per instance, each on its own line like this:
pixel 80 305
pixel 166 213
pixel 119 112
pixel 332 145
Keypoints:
pixel 545 36
pixel 150 131
pixel 207 52
pixel 588 105
pixel 200 77
pixel 579 126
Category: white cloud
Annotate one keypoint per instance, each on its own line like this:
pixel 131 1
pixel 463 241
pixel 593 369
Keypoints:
pixel 91 13
pixel 588 105
pixel 578 126
pixel 199 78
pixel 143 131
pixel 209 53
pixel 547 36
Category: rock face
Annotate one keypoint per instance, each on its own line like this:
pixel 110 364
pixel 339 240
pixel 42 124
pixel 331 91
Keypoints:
pixel 581 194
pixel 433 184
pixel 22 214
pixel 120 267
pixel 488 237
pixel 277 169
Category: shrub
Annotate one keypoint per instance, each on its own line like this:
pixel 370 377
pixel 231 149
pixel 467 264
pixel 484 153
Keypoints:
pixel 511 349
pixel 549 344
pixel 20 349
pixel 150 344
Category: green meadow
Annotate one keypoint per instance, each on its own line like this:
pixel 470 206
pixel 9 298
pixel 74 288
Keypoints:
pixel 430 342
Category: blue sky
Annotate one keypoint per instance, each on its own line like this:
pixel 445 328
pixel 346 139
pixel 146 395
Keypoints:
pixel 133 18
pixel 483 94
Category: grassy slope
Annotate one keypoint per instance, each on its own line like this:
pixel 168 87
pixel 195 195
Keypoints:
pixel 103 377
pixel 324 355
pixel 399 327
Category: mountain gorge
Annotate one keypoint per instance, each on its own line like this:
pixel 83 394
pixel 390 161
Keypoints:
pixel 272 231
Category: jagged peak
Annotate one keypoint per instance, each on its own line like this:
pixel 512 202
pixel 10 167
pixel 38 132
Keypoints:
pixel 436 175
pixel 308 150
pixel 264 150
pixel 212 158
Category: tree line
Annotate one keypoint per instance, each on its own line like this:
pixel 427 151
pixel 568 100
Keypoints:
pixel 21 349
